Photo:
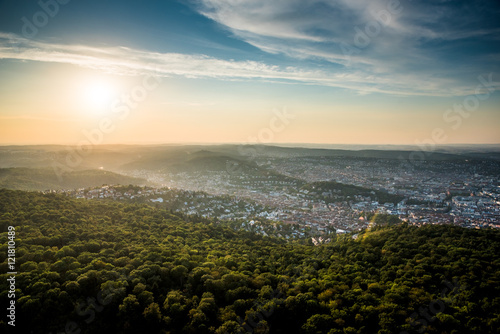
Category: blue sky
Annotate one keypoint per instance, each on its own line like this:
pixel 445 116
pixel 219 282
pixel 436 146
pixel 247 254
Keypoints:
pixel 374 60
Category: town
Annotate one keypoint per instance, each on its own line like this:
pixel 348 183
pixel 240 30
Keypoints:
pixel 300 197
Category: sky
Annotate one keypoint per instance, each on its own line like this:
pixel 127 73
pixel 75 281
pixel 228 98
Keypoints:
pixel 395 72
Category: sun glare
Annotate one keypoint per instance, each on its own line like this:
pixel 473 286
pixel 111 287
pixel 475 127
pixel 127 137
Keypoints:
pixel 98 96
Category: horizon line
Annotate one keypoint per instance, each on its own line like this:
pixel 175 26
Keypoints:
pixel 287 144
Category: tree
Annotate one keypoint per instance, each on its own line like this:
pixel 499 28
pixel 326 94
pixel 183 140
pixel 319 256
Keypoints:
pixel 153 317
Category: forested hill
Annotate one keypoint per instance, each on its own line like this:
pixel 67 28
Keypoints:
pixel 47 179
pixel 109 267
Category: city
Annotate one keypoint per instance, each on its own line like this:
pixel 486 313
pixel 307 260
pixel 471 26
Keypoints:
pixel 250 167
pixel 321 194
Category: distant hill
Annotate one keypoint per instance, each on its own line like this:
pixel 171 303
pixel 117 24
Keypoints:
pixel 215 157
pixel 189 160
pixel 484 156
pixel 106 156
pixel 45 179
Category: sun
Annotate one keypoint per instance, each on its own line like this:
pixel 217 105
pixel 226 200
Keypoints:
pixel 98 96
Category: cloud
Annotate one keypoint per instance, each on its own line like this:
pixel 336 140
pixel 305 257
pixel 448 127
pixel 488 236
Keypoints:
pixel 133 62
pixel 432 41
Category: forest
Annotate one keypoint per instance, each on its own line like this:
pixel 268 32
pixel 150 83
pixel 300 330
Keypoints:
pixel 42 179
pixel 338 190
pixel 87 266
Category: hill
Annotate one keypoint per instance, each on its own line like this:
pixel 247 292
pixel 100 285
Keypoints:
pixel 334 191
pixel 126 157
pixel 46 179
pixel 189 160
pixel 110 267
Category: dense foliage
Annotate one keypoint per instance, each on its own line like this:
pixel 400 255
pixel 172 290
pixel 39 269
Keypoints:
pixel 331 191
pixel 110 267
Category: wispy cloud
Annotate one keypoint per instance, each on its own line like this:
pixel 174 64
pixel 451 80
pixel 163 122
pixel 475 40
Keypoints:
pixel 357 37
pixel 127 61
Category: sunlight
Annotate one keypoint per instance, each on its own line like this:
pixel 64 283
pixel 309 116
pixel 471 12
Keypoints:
pixel 98 96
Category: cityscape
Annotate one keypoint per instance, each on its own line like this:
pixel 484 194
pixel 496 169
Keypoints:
pixel 250 167
pixel 326 194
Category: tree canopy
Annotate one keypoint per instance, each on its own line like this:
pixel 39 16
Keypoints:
pixel 103 267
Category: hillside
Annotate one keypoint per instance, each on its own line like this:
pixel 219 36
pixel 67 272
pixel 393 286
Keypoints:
pixel 338 191
pixel 108 267
pixel 116 157
pixel 45 179
pixel 188 160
